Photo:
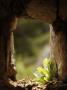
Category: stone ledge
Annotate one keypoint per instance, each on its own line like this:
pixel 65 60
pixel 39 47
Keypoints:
pixel 31 85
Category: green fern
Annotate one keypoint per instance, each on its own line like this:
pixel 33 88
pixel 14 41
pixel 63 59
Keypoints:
pixel 47 72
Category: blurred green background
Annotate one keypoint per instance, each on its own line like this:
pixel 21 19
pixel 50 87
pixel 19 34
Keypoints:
pixel 31 41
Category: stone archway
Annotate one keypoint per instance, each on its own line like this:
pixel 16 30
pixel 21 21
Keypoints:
pixel 40 9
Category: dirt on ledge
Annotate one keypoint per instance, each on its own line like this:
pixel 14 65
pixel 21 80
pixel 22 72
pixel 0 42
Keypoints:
pixel 32 85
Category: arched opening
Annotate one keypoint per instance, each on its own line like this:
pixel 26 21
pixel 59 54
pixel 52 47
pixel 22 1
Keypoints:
pixel 33 39
pixel 31 46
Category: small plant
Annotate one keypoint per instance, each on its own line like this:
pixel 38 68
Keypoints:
pixel 47 72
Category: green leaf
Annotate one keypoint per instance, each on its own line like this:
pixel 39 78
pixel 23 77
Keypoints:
pixel 46 79
pixel 37 74
pixel 42 70
pixel 45 61
pixel 41 80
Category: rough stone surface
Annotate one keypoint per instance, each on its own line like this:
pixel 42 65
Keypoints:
pixel 32 85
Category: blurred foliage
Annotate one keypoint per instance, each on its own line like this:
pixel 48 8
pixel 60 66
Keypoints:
pixel 47 72
pixel 30 38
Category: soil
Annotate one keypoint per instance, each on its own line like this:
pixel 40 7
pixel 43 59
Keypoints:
pixel 32 85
